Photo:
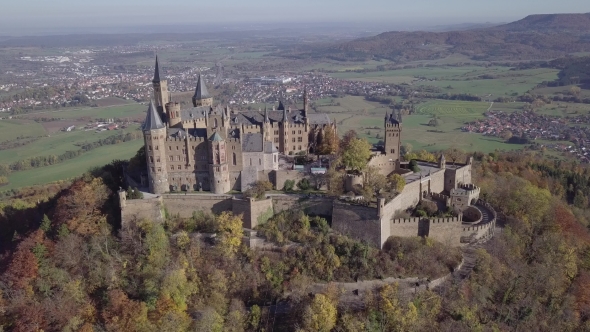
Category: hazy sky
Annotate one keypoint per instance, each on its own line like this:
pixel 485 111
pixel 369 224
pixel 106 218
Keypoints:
pixel 49 14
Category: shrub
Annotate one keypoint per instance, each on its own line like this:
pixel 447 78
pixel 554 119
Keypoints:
pixel 289 185
pixel 304 184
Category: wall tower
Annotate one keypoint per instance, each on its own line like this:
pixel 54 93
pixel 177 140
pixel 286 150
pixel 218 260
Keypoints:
pixel 154 133
pixel 393 130
pixel 218 168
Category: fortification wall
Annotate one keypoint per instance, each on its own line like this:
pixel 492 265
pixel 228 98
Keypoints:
pixel 406 227
pixel 437 181
pixel 472 215
pixel 358 222
pixel 313 206
pixel 480 232
pixel 446 230
pixel 254 212
pixel 138 209
pixel 283 175
pixel 385 163
pixel 185 205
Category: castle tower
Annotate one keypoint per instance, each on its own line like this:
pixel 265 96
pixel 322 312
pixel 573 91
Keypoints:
pixel 266 127
pixel 154 133
pixel 218 168
pixel 284 145
pixel 173 114
pixel 201 96
pixel 160 89
pixel 393 130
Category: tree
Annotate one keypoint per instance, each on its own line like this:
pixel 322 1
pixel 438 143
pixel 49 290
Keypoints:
pixel 506 134
pixel 289 185
pixel 229 228
pixel 320 315
pixel 258 189
pixel 304 184
pixel 397 182
pixel 575 91
pixel 347 138
pixel 356 155
pixel 454 154
pixel 329 143
pixel 374 183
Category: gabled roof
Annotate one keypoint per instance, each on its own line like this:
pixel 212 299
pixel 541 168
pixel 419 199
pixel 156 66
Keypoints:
pixel 201 90
pixel 152 120
pixel 156 72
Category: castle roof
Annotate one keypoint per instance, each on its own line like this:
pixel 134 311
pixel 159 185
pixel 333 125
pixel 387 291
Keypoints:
pixel 152 120
pixel 252 142
pixel 216 137
pixel 319 118
pixel 183 133
pixel 201 90
pixel 156 72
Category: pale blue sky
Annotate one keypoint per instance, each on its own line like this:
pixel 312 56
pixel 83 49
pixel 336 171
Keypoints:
pixel 67 13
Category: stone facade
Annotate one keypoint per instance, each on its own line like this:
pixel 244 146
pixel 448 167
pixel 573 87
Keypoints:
pixel 207 148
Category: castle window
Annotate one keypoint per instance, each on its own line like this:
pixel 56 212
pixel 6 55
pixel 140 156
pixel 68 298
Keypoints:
pixel 159 169
pixel 300 147
pixel 183 158
pixel 235 159
pixel 250 161
pixel 215 123
pixel 153 169
pixel 233 147
pixel 158 159
pixel 170 147
pixel 177 148
pixel 183 152
pixel 177 158
pixel 172 167
pixel 157 147
pixel 277 140
pixel 293 132
pixel 151 159
pixel 149 147
pixel 259 161
pixel 178 167
pixel 293 147
pixel 299 139
pixel 276 132
pixel 171 158
pixel 300 132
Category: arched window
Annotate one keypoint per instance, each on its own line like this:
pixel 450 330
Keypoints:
pixel 215 123
pixel 235 159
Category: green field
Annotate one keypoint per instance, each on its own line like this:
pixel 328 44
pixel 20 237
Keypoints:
pixel 73 167
pixel 57 142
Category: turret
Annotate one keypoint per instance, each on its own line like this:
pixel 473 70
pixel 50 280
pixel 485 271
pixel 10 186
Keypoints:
pixel 160 89
pixel 201 96
pixel 154 133
pixel 442 162
pixel 173 114
pixel 218 168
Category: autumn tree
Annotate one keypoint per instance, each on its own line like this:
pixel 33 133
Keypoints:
pixel 356 155
pixel 229 228
pixel 320 315
pixel 397 182
pixel 374 183
pixel 347 138
pixel 330 142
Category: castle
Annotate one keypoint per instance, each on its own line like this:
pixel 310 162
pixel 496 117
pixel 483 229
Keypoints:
pixel 214 149
pixel 207 148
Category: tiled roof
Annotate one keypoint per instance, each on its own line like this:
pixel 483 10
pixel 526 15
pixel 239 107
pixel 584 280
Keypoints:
pixel 152 119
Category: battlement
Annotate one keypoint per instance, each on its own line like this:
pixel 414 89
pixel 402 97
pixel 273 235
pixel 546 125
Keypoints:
pixel 190 139
pixel 441 197
pixel 458 219
pixel 414 220
pixel 469 186
pixel 233 140
pixel 257 127
pixel 392 125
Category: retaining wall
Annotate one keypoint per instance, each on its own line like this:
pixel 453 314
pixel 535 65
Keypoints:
pixel 185 205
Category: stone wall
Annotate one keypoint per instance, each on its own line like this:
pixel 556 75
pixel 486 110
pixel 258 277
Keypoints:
pixel 138 209
pixel 318 206
pixel 472 215
pixel 185 205
pixel 284 175
pixel 386 163
pixel 446 230
pixel 358 222
pixel 254 212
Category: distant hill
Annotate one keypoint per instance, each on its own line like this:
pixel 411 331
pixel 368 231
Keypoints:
pixel 534 37
pixel 574 23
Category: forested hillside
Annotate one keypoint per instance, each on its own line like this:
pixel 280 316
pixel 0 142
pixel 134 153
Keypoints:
pixel 68 265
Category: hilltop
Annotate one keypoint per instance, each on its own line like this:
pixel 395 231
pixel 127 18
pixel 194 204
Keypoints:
pixel 534 37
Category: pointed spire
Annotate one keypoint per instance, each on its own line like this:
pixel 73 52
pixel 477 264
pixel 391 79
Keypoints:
pixel 399 116
pixel 201 90
pixel 152 119
pixel 281 106
pixel 266 115
pixel 156 72
pixel 385 115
